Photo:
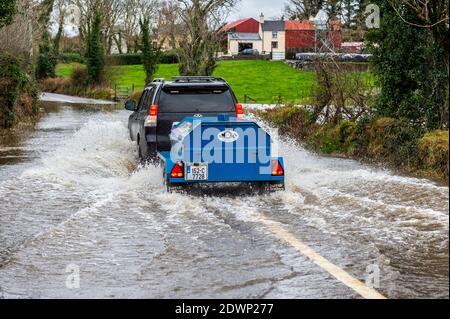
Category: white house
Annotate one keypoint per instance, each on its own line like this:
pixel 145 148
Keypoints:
pixel 270 38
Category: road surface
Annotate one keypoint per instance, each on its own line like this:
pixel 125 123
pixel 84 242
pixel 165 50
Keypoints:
pixel 79 219
pixel 66 99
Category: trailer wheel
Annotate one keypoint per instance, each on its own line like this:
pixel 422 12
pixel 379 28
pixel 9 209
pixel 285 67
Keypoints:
pixel 263 188
pixel 168 186
pixel 271 187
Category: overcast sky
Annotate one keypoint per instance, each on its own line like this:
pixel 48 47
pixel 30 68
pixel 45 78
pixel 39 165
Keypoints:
pixel 253 9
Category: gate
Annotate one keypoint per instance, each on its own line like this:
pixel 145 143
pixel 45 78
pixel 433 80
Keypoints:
pixel 122 92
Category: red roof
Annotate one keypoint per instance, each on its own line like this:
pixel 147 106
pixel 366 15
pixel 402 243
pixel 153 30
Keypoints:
pixel 308 25
pixel 237 23
pixel 299 25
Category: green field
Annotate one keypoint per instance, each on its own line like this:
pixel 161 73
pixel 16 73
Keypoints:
pixel 65 70
pixel 263 81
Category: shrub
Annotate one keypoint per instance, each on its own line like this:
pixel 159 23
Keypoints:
pixel 330 139
pixel 100 93
pixel 18 93
pixel 136 96
pixel 168 57
pixel 79 77
pixel 433 152
pixel 361 136
pixel 292 120
pixel 12 82
pixel 394 141
pixel 71 57
pixel 325 140
pixel 346 133
pixel 55 85
pixel 27 105
pixel 124 59
pixel 375 132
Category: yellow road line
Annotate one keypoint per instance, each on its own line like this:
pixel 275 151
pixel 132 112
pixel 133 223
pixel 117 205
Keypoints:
pixel 337 272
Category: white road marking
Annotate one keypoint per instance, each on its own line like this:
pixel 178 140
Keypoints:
pixel 337 272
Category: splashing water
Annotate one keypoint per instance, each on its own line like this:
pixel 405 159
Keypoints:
pixel 79 198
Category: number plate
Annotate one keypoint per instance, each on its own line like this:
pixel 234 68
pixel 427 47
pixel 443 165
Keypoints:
pixel 197 172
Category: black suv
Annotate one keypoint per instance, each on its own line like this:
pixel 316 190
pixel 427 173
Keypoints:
pixel 166 102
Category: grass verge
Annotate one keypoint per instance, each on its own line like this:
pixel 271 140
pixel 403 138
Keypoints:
pixel 264 81
pixel 391 142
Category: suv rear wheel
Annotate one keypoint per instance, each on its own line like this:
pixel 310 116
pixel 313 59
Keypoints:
pixel 139 151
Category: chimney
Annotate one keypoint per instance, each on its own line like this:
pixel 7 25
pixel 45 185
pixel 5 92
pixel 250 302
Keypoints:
pixel 261 18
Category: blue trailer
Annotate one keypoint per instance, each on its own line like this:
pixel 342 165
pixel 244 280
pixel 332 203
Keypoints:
pixel 221 149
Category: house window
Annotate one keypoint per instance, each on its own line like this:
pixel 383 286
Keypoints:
pixel 274 35
pixel 274 45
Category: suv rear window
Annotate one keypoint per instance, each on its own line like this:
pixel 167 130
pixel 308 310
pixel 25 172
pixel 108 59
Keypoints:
pixel 196 100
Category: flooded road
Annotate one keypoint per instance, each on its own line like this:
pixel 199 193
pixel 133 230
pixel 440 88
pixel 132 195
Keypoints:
pixel 72 199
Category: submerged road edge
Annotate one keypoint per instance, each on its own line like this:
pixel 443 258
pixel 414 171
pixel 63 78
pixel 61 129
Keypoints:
pixel 336 271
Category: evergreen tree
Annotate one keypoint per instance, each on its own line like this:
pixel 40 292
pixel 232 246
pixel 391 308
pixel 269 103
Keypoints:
pixel 150 54
pixel 94 52
pixel 57 39
pixel 7 12
pixel 46 62
pixel 413 82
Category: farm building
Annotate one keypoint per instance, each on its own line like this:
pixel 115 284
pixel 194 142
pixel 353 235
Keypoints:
pixel 280 38
pixel 301 36
pixel 238 42
pixel 249 25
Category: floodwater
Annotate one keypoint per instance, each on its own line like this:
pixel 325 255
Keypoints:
pixel 74 204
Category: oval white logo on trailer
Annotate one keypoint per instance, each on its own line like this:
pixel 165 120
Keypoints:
pixel 228 136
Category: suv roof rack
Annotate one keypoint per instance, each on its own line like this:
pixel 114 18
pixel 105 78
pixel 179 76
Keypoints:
pixel 159 80
pixel 188 79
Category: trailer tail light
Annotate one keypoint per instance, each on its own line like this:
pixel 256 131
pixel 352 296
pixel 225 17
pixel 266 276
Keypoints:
pixel 152 117
pixel 277 169
pixel 239 111
pixel 177 171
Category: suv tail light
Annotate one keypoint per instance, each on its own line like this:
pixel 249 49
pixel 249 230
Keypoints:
pixel 277 169
pixel 177 171
pixel 152 117
pixel 239 111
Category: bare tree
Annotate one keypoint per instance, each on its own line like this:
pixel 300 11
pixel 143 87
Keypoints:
pixel 303 9
pixel 22 36
pixel 61 10
pixel 128 25
pixel 120 19
pixel 111 11
pixel 169 25
pixel 202 20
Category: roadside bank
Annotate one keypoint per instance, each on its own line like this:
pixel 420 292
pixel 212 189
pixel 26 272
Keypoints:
pixel 390 142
